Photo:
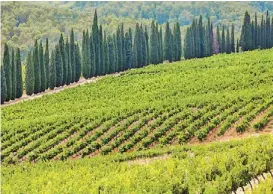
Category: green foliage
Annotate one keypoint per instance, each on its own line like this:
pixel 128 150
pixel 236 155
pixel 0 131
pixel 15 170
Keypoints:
pixel 3 85
pixel 8 72
pixel 37 68
pixel 19 78
pixel 214 168
pixel 42 67
pixel 13 75
pixel 29 76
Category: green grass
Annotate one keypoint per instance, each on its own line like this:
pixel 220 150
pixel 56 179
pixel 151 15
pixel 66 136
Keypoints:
pixel 213 168
pixel 156 105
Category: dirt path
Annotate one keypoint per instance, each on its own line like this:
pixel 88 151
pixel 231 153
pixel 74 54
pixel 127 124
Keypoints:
pixel 82 81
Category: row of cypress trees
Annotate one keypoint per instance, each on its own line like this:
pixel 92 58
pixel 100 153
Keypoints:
pixel 202 41
pixel 256 35
pixel 11 75
pixel 62 68
pixel 104 53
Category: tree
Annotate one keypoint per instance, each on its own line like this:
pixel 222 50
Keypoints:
pixel 3 85
pixel 223 39
pixel 37 69
pixel 8 75
pixel 246 34
pixel 153 45
pixel 268 33
pixel 52 71
pixel 29 75
pixel 219 39
pixel 86 66
pixel 256 32
pixel 101 70
pixel 106 54
pixel 96 43
pixel 228 45
pixel 19 81
pixel 13 74
pixel 201 37
pixel 59 66
pixel 64 56
pixel 112 53
pixel 68 62
pixel 46 59
pixel 177 42
pixel 232 42
pixel 92 57
pixel 168 43
pixel 128 50
pixel 188 44
pixel 72 58
pixel 237 46
pixel 77 63
pixel 42 66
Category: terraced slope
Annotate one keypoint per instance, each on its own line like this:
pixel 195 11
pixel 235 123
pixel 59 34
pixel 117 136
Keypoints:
pixel 142 108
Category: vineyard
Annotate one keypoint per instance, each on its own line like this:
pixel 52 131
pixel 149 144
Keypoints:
pixel 144 108
pixel 213 168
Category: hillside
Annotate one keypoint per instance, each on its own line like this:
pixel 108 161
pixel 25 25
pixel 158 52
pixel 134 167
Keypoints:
pixel 23 22
pixel 142 108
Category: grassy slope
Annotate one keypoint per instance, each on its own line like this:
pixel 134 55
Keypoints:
pixel 219 78
pixel 214 168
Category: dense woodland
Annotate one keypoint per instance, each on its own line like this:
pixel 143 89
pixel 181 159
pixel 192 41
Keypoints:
pixel 103 53
pixel 23 22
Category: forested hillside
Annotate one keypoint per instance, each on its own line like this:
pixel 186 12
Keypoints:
pixel 23 22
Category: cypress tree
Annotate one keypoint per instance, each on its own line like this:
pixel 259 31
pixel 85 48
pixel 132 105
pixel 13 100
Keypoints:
pixel 46 58
pixel 160 40
pixel 119 49
pixel 123 47
pixel 63 54
pixel 223 43
pixel 115 53
pixel 268 33
pixel 96 39
pixel 112 54
pixel 256 32
pixel 153 45
pixel 177 42
pixel 168 43
pixel 29 75
pixel 72 59
pixel 246 34
pixel 13 73
pixel 201 35
pixel 86 63
pixel 59 66
pixel 8 72
pixel 52 71
pixel 237 46
pixel 3 85
pixel 77 63
pixel 101 52
pixel 211 39
pixel 188 44
pixel 19 81
pixel 68 62
pixel 253 35
pixel 228 45
pixel 263 33
pixel 219 39
pixel 147 45
pixel 143 47
pixel 232 42
pixel 92 57
pixel 128 51
pixel 272 32
pixel 42 67
pixel 37 69
pixel 106 54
